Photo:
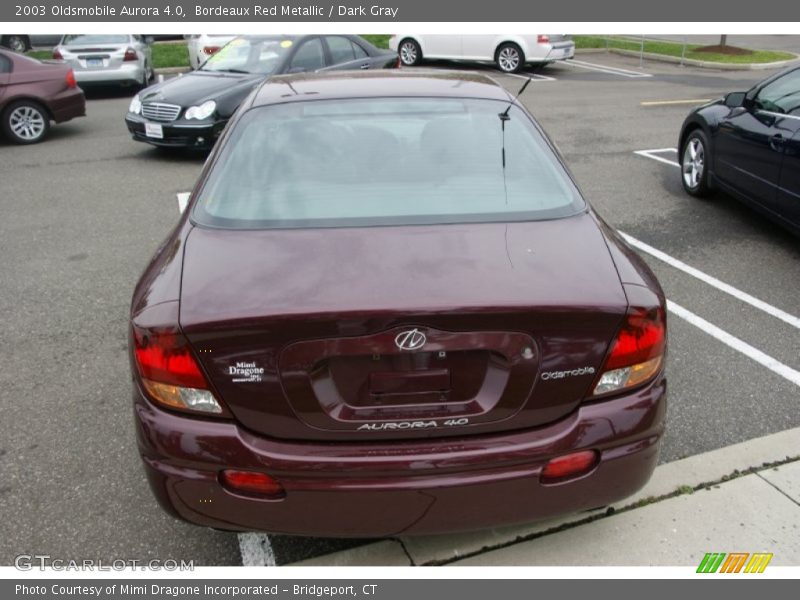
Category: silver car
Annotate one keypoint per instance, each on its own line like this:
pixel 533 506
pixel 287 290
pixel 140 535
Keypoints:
pixel 101 58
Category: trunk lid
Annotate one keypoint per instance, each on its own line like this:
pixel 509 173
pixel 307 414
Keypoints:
pixel 89 58
pixel 318 333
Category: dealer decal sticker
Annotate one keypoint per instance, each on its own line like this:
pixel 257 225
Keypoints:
pixel 246 372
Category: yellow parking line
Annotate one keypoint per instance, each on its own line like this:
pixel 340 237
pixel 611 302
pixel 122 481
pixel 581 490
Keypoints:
pixel 668 102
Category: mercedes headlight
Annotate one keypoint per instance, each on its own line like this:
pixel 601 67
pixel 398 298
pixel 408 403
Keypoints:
pixel 205 110
pixel 136 105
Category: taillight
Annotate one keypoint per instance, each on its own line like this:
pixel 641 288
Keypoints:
pixel 542 39
pixel 569 466
pixel 71 83
pixel 209 50
pixel 130 54
pixel 170 374
pixel 252 483
pixel 637 351
pixel 57 54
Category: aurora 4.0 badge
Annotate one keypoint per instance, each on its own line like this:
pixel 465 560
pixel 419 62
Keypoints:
pixel 404 425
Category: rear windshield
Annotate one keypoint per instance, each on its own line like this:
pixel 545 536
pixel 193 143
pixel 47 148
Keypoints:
pixel 339 163
pixel 100 38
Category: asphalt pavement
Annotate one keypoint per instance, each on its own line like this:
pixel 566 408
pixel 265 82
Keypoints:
pixel 84 211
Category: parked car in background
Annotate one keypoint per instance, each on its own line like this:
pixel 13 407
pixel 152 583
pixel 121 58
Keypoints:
pixel 16 42
pixel 201 46
pixel 33 93
pixel 366 322
pixel 23 43
pixel 191 111
pixel 44 40
pixel 102 58
pixel 748 144
pixel 509 52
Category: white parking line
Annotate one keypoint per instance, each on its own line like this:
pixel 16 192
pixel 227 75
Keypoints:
pixel 652 154
pixel 605 69
pixel 731 341
pixel 674 102
pixel 256 550
pixel 714 282
pixel 533 76
pixel 183 200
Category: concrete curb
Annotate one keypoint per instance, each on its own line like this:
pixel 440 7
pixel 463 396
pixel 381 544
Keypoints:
pixel 386 553
pixel 668 481
pixel 704 64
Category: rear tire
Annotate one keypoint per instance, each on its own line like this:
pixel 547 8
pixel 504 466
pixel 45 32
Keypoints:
pixel 509 58
pixel 410 52
pixel 695 156
pixel 25 122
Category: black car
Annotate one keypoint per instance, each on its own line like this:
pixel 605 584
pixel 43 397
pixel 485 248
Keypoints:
pixel 191 111
pixel 748 144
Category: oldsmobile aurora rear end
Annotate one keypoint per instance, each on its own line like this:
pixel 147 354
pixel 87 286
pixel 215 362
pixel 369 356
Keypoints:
pixel 388 310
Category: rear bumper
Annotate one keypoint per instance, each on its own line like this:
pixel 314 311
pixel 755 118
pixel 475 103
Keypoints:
pixel 558 51
pixel 391 488
pixel 127 73
pixel 177 134
pixel 67 105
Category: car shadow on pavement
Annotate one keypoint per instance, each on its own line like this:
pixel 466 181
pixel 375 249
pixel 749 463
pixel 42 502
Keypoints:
pixel 476 67
pixel 169 155
pixel 714 220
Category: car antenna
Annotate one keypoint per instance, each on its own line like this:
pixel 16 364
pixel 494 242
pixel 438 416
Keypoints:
pixel 504 115
pixel 503 118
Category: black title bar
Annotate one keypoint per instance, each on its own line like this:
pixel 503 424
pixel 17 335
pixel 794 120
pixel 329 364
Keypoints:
pixel 320 11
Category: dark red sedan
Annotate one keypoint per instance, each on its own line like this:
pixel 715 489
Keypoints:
pixel 389 310
pixel 33 93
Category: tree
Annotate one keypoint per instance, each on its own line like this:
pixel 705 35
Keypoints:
pixel 723 41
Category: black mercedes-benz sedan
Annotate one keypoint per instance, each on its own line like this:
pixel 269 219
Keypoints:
pixel 748 144
pixel 191 111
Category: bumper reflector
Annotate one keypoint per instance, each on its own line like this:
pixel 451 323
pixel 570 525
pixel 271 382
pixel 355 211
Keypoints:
pixel 252 483
pixel 569 465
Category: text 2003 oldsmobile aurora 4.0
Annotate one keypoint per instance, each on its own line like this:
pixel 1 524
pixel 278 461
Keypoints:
pixel 388 309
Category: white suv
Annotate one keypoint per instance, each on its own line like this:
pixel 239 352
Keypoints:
pixel 509 52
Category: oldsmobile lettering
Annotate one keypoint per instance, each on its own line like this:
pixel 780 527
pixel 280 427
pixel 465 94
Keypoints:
pixel 568 373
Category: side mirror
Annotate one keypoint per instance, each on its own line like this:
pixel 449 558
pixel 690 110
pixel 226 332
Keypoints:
pixel 735 99
pixel 149 39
